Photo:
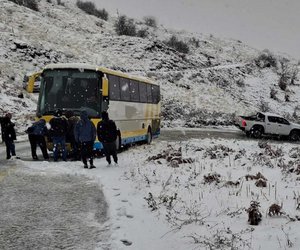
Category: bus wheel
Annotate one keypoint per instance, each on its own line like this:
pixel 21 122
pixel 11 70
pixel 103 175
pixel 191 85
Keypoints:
pixel 149 136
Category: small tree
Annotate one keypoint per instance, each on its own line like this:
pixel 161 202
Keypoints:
pixel 125 26
pixel 90 8
pixel 266 59
pixel 180 46
pixel 150 21
pixel 31 4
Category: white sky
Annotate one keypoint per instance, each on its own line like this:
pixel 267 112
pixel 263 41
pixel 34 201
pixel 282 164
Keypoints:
pixel 272 24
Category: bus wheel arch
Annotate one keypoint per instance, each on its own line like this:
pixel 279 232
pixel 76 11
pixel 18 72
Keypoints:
pixel 149 135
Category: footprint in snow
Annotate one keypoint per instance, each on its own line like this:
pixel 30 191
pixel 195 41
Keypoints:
pixel 127 242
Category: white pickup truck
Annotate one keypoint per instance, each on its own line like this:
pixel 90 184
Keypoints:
pixel 268 124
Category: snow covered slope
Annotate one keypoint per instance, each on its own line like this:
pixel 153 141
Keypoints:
pixel 208 86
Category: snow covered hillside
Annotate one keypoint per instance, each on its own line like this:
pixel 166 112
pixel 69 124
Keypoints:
pixel 207 86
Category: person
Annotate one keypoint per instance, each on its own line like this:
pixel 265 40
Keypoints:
pixel 36 135
pixel 8 135
pixel 58 131
pixel 72 121
pixel 107 135
pixel 85 135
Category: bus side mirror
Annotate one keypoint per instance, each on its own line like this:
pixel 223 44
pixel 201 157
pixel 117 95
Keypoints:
pixel 104 87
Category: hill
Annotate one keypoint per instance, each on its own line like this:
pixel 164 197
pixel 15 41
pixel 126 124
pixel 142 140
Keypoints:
pixel 209 85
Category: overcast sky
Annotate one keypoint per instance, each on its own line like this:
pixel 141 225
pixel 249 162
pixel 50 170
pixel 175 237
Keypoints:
pixel 272 24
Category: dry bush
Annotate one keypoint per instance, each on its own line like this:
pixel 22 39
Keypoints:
pixel 232 183
pixel 217 152
pixel 172 156
pixel 150 21
pixel 180 46
pixel 266 60
pixel 214 177
pixel 31 4
pixel 261 183
pixel 275 210
pixel 255 177
pixel 125 26
pixel 254 215
pixel 90 8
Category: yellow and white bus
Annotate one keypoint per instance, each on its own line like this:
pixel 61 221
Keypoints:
pixel 132 102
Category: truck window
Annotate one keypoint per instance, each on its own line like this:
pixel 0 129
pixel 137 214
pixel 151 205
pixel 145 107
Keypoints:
pixel 273 119
pixel 261 117
pixel 283 121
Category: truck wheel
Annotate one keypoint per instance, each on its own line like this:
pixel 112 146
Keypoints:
pixel 257 132
pixel 294 136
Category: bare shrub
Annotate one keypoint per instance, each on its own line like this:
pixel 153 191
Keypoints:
pixel 266 59
pixel 125 26
pixel 283 82
pixel 150 21
pixel 60 2
pixel 212 177
pixel 143 33
pixel 31 4
pixel 90 8
pixel 273 94
pixel 275 210
pixel 240 82
pixel 180 46
pixel 254 215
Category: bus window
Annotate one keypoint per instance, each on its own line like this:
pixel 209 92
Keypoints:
pixel 114 88
pixel 143 92
pixel 124 87
pixel 149 93
pixel 155 94
pixel 134 91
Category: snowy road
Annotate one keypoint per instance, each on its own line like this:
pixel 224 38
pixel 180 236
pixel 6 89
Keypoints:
pixel 186 134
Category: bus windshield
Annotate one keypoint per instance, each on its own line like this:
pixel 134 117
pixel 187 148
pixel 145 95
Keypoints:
pixel 70 89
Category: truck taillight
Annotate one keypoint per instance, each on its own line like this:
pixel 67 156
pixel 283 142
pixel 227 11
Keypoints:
pixel 244 124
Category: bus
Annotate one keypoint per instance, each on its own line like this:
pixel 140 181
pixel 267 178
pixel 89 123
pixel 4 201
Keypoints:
pixel 132 102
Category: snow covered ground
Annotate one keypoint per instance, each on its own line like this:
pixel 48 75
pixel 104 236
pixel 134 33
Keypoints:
pixel 194 194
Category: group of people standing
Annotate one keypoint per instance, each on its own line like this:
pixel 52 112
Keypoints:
pixel 80 132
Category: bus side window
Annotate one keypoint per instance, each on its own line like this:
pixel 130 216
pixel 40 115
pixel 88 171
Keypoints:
pixel 134 91
pixel 143 92
pixel 114 87
pixel 124 88
pixel 149 93
pixel 155 94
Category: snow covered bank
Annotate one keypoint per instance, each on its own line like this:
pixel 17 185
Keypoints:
pixel 194 194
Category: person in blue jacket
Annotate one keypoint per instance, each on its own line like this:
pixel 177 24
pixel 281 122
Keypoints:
pixel 85 135
pixel 36 136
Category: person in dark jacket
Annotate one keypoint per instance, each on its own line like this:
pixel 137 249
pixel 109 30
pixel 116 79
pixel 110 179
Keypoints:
pixel 36 136
pixel 72 121
pixel 8 135
pixel 58 131
pixel 107 135
pixel 85 135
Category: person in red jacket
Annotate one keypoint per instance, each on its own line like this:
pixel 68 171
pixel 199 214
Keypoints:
pixel 107 134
